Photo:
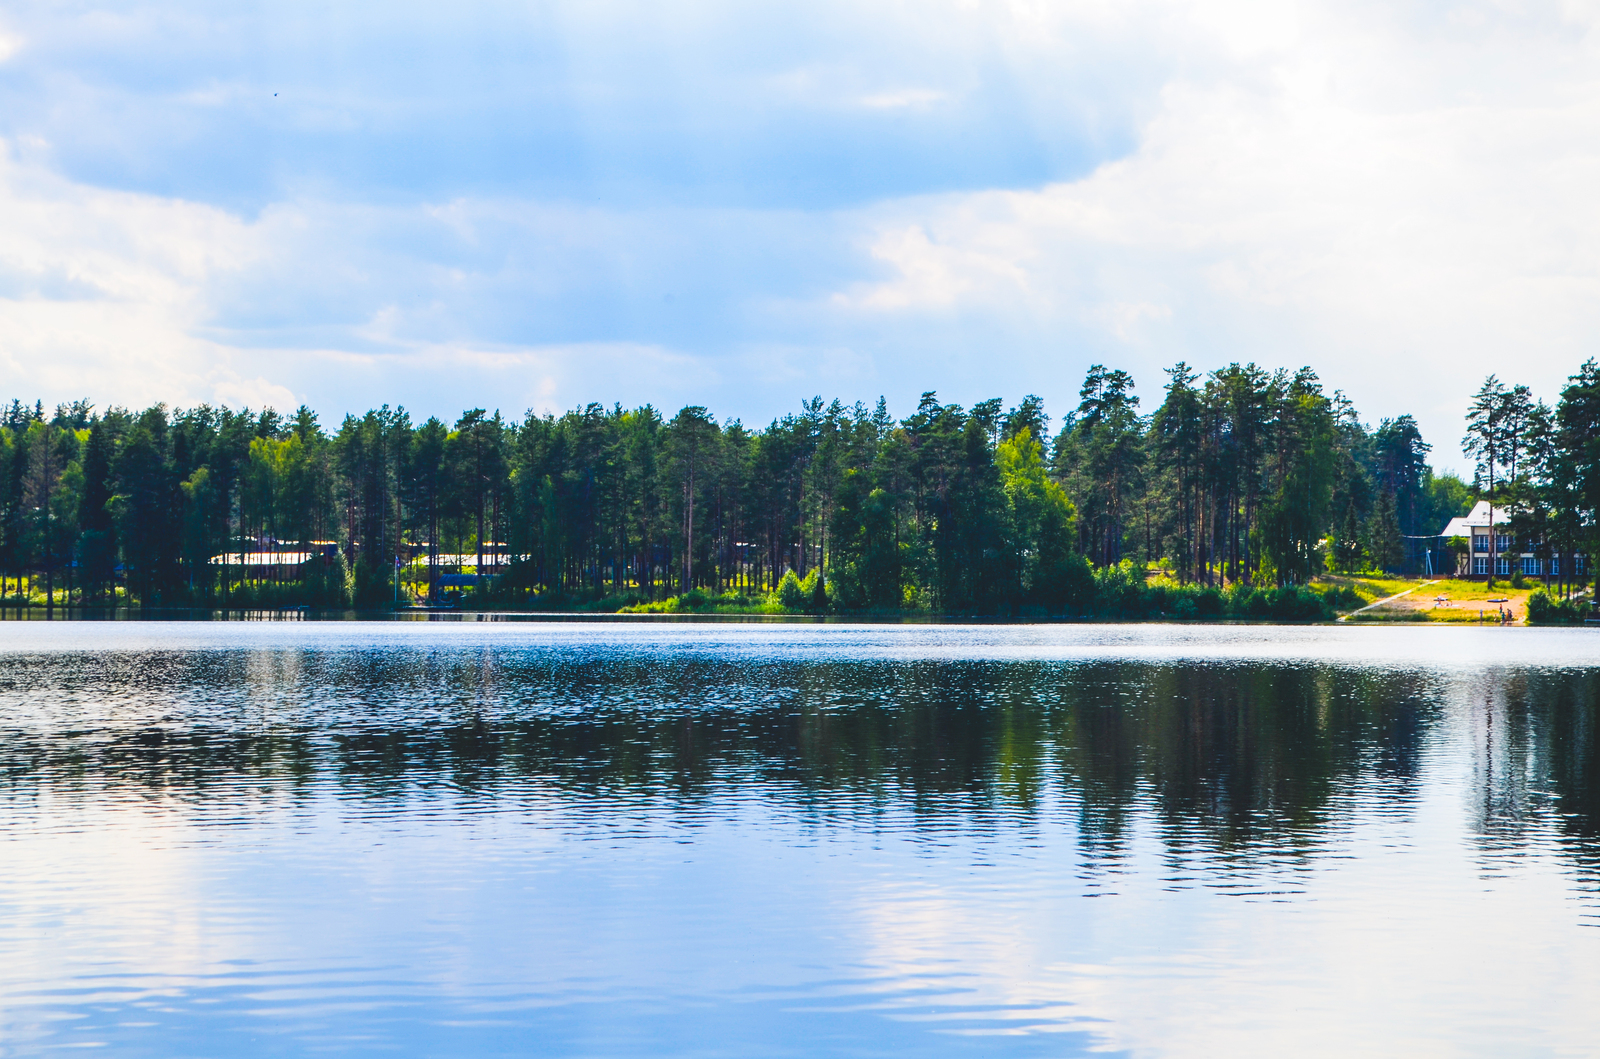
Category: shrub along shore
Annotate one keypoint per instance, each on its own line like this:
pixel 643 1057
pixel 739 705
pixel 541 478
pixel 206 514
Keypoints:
pixel 1116 594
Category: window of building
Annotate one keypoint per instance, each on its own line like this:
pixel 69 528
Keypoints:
pixel 1502 567
pixel 1530 566
pixel 1480 543
pixel 1579 565
pixel 1502 543
pixel 1480 566
pixel 1555 566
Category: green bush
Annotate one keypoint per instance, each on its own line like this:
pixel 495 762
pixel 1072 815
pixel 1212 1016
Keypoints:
pixel 807 593
pixel 1249 602
pixel 1292 603
pixel 791 593
pixel 1075 588
pixel 327 583
pixel 1343 597
pixel 1543 609
pixel 849 592
pixel 699 601
pixel 1120 590
pixel 373 585
pixel 1070 585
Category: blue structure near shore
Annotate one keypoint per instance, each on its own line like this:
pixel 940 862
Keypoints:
pixel 447 588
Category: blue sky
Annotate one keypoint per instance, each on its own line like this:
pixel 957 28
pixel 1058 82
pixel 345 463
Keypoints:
pixel 740 205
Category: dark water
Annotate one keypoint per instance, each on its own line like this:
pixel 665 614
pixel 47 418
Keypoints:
pixel 474 839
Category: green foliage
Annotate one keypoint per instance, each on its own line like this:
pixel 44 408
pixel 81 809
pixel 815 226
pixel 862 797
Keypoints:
pixel 694 601
pixel 868 560
pixel 373 583
pixel 327 584
pixel 1384 544
pixel 1295 517
pixel 1343 597
pixel 1043 525
pixel 1121 592
pixel 1102 458
pixel 1544 609
pixel 1444 497
pixel 1349 552
pixel 792 594
pixel 1241 477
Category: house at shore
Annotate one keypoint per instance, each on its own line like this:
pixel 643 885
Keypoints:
pixel 270 560
pixel 1509 556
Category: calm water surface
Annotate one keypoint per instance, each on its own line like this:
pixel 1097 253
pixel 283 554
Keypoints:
pixel 711 840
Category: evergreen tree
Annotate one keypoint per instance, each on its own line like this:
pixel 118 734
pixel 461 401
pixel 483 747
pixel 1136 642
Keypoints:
pixel 1349 551
pixel 1385 546
pixel 1239 477
pixel 97 549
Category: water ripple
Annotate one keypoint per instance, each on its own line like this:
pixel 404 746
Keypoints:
pixel 820 840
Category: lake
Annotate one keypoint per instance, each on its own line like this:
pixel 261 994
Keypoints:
pixel 606 839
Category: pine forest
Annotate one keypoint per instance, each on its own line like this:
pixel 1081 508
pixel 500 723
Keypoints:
pixel 1240 482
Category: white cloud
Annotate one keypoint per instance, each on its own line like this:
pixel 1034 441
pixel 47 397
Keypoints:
pixel 1159 961
pixel 1123 318
pixel 103 292
pixel 444 379
pixel 903 98
pixel 1398 195
pixel 1341 193
pixel 932 275
pixel 116 296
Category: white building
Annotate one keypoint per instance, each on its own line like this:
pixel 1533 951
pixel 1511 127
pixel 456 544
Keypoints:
pixel 1507 554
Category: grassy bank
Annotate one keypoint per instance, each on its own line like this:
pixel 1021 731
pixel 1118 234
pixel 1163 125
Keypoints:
pixel 1455 601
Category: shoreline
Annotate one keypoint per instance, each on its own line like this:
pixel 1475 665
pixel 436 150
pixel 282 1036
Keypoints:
pixel 1365 616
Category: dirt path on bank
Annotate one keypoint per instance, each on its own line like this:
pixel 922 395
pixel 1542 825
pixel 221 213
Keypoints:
pixel 1388 599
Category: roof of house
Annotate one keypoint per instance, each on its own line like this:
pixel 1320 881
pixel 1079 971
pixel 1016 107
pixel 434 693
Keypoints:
pixel 264 558
pixel 1462 525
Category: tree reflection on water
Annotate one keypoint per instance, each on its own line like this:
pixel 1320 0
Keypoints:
pixel 1230 759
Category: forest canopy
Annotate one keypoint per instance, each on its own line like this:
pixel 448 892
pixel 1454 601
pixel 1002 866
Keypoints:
pixel 1242 476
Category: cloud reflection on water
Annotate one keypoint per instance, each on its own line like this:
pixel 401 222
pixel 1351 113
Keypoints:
pixel 887 841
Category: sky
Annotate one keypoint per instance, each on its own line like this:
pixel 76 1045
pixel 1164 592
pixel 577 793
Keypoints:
pixel 740 205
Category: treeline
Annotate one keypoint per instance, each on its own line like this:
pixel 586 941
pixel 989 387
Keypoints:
pixel 1242 477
